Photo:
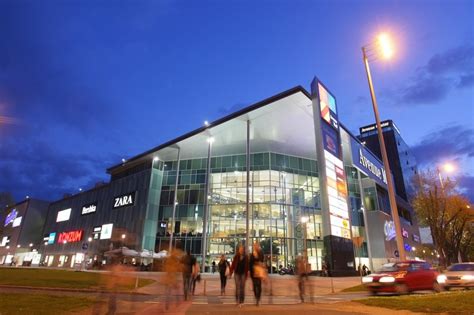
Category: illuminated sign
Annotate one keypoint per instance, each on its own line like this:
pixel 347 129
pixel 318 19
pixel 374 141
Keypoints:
pixel 416 238
pixel 389 230
pixel 96 232
pixel 404 233
pixel 16 222
pixel 368 163
pixel 90 208
pixel 328 107
pixel 106 231
pixel 70 237
pixel 51 238
pixel 63 215
pixel 124 200
pixel 10 217
pixel 337 196
pixel 383 124
pixel 330 140
pixel 407 247
pixel 5 241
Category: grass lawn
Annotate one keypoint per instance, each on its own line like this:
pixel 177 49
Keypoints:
pixel 357 288
pixel 68 279
pixel 15 303
pixel 453 302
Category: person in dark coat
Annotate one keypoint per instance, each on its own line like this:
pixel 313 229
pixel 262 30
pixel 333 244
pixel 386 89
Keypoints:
pixel 187 263
pixel 240 267
pixel 256 262
pixel 224 271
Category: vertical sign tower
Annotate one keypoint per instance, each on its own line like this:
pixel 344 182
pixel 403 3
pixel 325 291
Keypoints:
pixel 339 253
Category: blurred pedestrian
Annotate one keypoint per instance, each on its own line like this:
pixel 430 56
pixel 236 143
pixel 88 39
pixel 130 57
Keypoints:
pixel 301 271
pixel 213 266
pixel 257 271
pixel 187 263
pixel 239 267
pixel 172 268
pixel 196 276
pixel 224 272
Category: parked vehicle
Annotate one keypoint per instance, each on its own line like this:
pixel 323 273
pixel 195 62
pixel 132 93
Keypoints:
pixel 287 271
pixel 403 277
pixel 458 276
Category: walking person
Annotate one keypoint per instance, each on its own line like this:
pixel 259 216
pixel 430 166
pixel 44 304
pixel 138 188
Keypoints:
pixel 213 266
pixel 224 271
pixel 257 271
pixel 196 276
pixel 301 266
pixel 187 263
pixel 239 267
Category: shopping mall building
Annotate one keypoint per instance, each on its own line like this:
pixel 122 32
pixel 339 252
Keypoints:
pixel 284 172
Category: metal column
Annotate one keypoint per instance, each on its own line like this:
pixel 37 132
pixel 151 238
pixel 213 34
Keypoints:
pixel 369 251
pixel 247 244
pixel 175 201
pixel 205 225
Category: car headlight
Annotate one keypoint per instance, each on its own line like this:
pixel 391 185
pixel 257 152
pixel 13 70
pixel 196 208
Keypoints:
pixel 441 279
pixel 367 279
pixel 387 279
pixel 467 277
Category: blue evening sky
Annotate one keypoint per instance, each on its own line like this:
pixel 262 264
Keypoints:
pixel 85 83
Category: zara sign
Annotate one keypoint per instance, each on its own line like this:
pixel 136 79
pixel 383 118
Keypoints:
pixel 124 200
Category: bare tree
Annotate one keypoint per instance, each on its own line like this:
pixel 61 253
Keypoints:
pixel 447 213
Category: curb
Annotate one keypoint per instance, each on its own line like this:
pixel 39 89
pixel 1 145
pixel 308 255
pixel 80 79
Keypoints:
pixel 69 290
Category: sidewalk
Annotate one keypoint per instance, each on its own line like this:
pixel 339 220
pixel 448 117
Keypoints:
pixel 277 285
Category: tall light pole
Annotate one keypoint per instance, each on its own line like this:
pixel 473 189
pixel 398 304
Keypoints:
pixel 382 47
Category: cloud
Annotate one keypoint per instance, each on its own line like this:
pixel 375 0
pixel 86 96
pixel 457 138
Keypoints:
pixel 425 90
pixel 34 168
pixel 432 82
pixel 466 81
pixel 450 142
pixel 458 59
pixel 466 183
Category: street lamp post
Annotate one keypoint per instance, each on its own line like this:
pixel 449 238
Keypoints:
pixel 387 52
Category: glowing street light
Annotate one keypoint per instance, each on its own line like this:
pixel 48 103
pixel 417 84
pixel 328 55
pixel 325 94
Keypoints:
pixel 383 48
pixel 446 167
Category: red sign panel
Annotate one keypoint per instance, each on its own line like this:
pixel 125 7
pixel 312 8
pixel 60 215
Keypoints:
pixel 70 237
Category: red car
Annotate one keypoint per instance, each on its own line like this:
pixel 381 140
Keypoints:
pixel 403 277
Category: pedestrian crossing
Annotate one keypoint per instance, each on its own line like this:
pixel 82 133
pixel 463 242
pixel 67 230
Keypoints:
pixel 249 300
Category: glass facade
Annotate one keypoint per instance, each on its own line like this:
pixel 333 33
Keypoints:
pixel 282 189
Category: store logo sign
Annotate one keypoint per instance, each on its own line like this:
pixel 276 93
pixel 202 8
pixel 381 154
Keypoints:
pixel 16 222
pixel 374 169
pixel 70 237
pixel 389 230
pixel 10 217
pixel 416 238
pixel 124 200
pixel 51 238
pixel 63 215
pixel 404 233
pixel 106 231
pixel 90 208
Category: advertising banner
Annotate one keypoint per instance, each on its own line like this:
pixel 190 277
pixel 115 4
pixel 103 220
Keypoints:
pixel 364 160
